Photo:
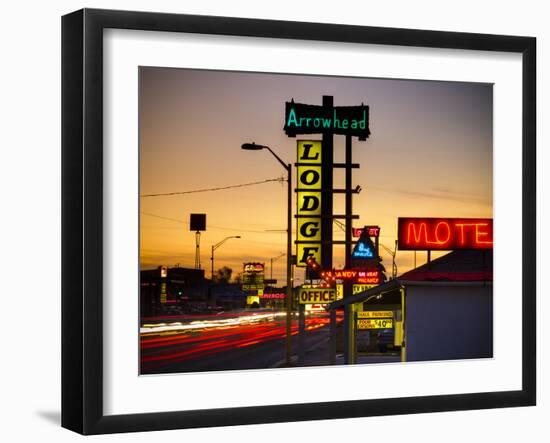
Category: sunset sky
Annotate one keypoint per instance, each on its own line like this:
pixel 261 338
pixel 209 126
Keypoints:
pixel 429 155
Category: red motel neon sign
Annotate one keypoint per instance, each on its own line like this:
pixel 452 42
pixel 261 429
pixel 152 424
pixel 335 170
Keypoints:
pixel 444 233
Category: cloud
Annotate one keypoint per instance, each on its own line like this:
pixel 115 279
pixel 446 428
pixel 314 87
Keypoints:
pixel 439 194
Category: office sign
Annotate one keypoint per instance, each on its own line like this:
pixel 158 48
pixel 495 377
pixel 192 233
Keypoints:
pixel 444 233
pixel 307 296
pixel 367 323
pixel 375 314
pixel 308 202
pixel 301 118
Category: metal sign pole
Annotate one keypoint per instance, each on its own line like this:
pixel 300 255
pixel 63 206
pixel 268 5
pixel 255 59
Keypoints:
pixel 327 159
pixel 349 331
pixel 288 353
pixel 302 334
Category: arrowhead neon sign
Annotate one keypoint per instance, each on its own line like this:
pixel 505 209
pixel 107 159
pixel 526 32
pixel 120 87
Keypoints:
pixel 302 118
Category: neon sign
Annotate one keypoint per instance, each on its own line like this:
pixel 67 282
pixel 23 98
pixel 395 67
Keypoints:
pixel 372 231
pixel 314 119
pixel 308 202
pixel 362 251
pixel 253 267
pixel 444 233
pixel 363 277
pixel 275 296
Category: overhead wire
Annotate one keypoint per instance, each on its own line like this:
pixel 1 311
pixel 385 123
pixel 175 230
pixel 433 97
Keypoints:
pixel 220 188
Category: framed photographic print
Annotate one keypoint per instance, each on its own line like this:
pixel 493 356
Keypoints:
pixel 260 216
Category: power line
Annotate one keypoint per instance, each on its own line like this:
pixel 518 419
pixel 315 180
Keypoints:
pixel 210 226
pixel 242 185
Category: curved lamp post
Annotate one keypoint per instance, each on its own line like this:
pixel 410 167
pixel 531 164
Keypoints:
pixel 254 147
pixel 214 247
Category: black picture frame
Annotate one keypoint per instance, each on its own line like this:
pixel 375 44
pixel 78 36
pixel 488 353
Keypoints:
pixel 82 232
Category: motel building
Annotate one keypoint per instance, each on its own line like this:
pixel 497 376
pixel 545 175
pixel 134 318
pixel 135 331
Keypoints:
pixel 441 310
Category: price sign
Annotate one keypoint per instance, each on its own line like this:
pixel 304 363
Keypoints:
pixel 383 323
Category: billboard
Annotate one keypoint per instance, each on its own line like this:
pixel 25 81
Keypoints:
pixel 253 276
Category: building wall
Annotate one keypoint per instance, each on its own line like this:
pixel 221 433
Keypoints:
pixel 445 322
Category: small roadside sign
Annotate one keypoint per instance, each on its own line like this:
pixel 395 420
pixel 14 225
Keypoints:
pixel 375 314
pixel 384 323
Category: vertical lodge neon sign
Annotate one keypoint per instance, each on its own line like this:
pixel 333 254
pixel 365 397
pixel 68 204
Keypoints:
pixel 444 233
pixel 308 202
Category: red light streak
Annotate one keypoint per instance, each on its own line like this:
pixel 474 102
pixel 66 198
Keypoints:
pixel 162 350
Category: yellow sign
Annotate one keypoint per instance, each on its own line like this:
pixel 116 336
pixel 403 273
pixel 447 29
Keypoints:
pixel 309 229
pixel 163 295
pixel 251 299
pixel 309 151
pixel 360 288
pixel 375 314
pixel 308 202
pixel 356 289
pixel 384 323
pixel 308 296
pixel 303 251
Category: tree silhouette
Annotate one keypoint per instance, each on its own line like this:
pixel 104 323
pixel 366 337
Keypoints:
pixel 223 275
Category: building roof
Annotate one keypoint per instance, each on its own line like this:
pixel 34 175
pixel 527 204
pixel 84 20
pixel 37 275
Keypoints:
pixel 456 266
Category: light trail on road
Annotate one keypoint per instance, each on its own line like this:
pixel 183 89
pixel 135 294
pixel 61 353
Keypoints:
pixel 168 343
pixel 214 322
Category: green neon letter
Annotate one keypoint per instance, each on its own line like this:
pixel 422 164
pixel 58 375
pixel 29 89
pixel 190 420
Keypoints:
pixel 292 120
pixel 363 123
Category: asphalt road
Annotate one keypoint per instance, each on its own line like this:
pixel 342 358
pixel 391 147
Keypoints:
pixel 224 342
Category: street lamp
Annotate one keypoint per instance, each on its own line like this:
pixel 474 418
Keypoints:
pixel 214 247
pixel 271 260
pixel 254 147
pixel 392 253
